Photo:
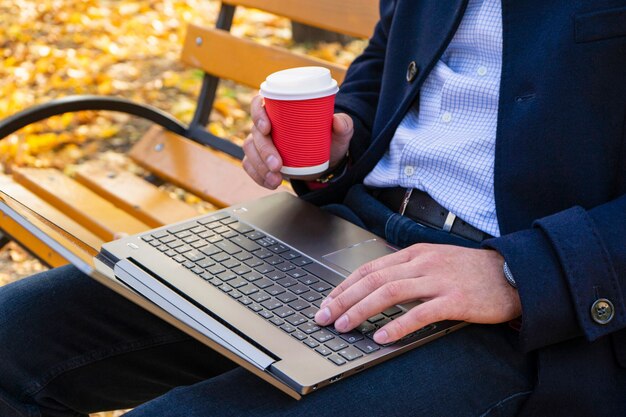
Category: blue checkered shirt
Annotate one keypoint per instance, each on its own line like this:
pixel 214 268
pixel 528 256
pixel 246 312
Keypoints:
pixel 446 144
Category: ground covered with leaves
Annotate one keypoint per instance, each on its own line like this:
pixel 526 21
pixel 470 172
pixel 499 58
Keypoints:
pixel 124 48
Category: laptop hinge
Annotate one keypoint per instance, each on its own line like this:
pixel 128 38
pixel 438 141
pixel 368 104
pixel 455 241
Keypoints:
pixel 166 298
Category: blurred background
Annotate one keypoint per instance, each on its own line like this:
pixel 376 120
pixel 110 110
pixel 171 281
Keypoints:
pixel 125 48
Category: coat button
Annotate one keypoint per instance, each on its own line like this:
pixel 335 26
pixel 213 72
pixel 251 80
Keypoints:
pixel 411 71
pixel 602 311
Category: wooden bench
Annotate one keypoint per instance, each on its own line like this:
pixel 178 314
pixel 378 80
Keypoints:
pixel 96 204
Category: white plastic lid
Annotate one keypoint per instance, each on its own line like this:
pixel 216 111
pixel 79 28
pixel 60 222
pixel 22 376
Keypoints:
pixel 300 83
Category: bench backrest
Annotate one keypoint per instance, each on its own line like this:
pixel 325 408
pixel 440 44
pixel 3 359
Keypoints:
pixel 101 202
pixel 248 62
pixel 222 55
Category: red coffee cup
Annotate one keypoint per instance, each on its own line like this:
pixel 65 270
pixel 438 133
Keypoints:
pixel 300 104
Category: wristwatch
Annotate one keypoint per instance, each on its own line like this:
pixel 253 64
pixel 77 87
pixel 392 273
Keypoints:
pixel 509 275
pixel 334 173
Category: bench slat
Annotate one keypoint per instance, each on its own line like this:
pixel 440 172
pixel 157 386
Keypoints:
pixel 26 239
pixel 350 17
pixel 30 242
pixel 96 214
pixel 221 54
pixel 98 205
pixel 134 195
pixel 196 168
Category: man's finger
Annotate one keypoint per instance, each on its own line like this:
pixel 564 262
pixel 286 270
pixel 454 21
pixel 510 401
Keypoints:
pixel 267 151
pixel 343 129
pixel 391 293
pixel 256 168
pixel 357 293
pixel 396 258
pixel 259 116
pixel 419 316
pixel 252 161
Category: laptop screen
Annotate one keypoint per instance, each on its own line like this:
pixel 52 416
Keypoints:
pixel 77 251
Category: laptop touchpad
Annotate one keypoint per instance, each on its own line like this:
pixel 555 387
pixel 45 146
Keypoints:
pixel 352 257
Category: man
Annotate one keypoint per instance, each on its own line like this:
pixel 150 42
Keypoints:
pixel 553 132
pixel 515 119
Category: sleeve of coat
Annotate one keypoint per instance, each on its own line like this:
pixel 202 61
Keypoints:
pixel 562 266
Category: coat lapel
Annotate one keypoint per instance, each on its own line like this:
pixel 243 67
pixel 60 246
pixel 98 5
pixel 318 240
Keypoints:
pixel 421 39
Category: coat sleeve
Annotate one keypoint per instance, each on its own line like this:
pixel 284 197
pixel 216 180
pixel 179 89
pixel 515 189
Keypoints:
pixel 562 266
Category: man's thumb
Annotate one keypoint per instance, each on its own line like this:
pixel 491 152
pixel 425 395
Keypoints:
pixel 343 128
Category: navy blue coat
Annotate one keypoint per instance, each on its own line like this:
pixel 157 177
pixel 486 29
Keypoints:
pixel 560 173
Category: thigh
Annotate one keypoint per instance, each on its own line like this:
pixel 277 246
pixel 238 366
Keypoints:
pixel 395 228
pixel 472 372
pixel 345 213
pixel 70 343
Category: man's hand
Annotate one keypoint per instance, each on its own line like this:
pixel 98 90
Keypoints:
pixel 262 161
pixel 453 283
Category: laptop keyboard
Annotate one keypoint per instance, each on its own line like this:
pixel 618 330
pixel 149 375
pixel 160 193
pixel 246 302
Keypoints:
pixel 278 283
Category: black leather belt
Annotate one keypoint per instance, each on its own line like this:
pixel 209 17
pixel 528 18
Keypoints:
pixel 422 208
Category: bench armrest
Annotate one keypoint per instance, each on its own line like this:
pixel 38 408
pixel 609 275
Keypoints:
pixel 69 104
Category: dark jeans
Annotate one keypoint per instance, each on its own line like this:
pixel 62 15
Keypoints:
pixel 69 347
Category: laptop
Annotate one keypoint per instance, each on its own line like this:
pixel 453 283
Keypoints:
pixel 247 281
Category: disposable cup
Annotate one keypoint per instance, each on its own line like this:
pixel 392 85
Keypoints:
pixel 300 104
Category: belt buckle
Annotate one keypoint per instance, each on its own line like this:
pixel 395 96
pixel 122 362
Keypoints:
pixel 450 218
pixel 405 201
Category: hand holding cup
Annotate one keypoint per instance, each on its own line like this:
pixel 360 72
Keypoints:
pixel 315 143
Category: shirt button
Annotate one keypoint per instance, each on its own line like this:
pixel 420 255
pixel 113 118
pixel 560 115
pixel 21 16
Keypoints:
pixel 409 170
pixel 446 117
pixel 602 311
pixel 482 70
